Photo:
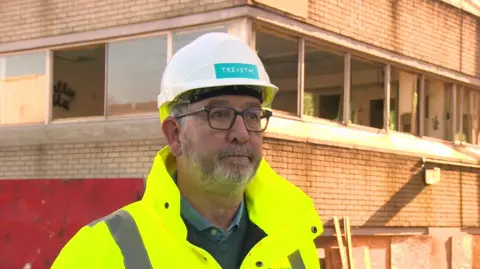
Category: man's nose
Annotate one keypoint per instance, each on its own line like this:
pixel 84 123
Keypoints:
pixel 238 131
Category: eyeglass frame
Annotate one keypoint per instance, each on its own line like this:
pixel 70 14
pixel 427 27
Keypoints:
pixel 236 113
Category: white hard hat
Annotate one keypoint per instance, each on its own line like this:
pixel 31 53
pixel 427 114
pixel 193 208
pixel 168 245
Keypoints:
pixel 211 61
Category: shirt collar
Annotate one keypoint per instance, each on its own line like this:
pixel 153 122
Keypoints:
pixel 200 223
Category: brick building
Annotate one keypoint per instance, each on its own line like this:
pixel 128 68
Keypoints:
pixel 79 126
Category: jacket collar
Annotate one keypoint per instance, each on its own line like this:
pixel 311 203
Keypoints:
pixel 198 222
pixel 272 202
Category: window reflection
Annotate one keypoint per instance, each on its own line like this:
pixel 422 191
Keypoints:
pixel 473 116
pixel 467 121
pixel 279 55
pixel 367 93
pixel 23 88
pixel 134 74
pixel 404 90
pixel 324 80
pixel 438 109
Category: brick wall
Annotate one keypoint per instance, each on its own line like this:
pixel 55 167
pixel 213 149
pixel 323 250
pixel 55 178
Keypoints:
pixel 404 252
pixel 374 189
pixel 27 19
pixel 378 189
pixel 129 159
pixel 476 252
pixel 429 30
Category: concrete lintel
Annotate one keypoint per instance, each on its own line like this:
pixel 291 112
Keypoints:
pixel 82 131
pixel 127 30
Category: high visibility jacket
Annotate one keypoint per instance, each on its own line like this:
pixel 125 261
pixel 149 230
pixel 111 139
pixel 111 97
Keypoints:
pixel 150 233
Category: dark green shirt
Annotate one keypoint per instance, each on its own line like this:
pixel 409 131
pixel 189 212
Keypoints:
pixel 225 246
pixel 228 252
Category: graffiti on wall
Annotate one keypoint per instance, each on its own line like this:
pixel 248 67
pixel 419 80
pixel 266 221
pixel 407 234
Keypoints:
pixel 63 95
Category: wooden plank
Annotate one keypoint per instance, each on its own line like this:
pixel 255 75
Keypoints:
pixel 348 237
pixel 334 260
pixel 368 263
pixel 338 233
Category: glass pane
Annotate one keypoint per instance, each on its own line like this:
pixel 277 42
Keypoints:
pixel 438 98
pixel 461 122
pixel 24 65
pixel 448 132
pixel 405 93
pixel 467 116
pixel 280 58
pixel 182 38
pixel 367 93
pixel 3 63
pixel 135 69
pixel 475 116
pixel 23 88
pixel 470 116
pixel 324 81
pixel 79 82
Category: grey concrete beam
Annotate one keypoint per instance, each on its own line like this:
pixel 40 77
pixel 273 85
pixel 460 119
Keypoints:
pixel 78 132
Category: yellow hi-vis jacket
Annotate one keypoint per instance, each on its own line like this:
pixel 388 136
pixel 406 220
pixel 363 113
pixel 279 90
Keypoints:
pixel 150 233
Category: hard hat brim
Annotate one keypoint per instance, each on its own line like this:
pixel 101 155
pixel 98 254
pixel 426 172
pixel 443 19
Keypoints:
pixel 268 91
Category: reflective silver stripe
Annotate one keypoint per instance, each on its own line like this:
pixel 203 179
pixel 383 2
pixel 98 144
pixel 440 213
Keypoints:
pixel 296 260
pixel 125 232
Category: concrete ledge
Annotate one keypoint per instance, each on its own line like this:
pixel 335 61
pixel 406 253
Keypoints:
pixel 82 131
pixel 148 128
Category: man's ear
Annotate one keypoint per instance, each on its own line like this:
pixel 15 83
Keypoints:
pixel 171 132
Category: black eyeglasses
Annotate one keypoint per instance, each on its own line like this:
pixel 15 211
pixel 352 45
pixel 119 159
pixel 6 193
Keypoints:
pixel 223 118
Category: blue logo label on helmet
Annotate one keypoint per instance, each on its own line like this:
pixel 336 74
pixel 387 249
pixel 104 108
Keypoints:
pixel 236 70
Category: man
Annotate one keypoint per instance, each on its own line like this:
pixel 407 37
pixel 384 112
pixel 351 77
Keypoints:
pixel 211 201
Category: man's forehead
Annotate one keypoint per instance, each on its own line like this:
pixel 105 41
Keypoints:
pixel 231 101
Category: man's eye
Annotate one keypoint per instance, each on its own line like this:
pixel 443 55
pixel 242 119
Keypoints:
pixel 220 113
pixel 253 116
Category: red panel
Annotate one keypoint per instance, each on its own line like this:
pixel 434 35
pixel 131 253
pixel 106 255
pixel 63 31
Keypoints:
pixel 37 217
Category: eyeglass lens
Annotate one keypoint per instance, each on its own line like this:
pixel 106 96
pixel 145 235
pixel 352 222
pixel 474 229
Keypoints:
pixel 223 118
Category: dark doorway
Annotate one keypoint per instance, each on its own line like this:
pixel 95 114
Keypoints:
pixel 376 112
pixel 329 106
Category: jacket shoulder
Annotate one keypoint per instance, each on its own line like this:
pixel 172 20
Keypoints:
pixel 91 247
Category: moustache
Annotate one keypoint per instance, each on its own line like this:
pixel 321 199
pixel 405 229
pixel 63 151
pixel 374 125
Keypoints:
pixel 237 152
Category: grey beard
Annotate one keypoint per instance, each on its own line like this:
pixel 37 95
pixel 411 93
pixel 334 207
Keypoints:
pixel 215 179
